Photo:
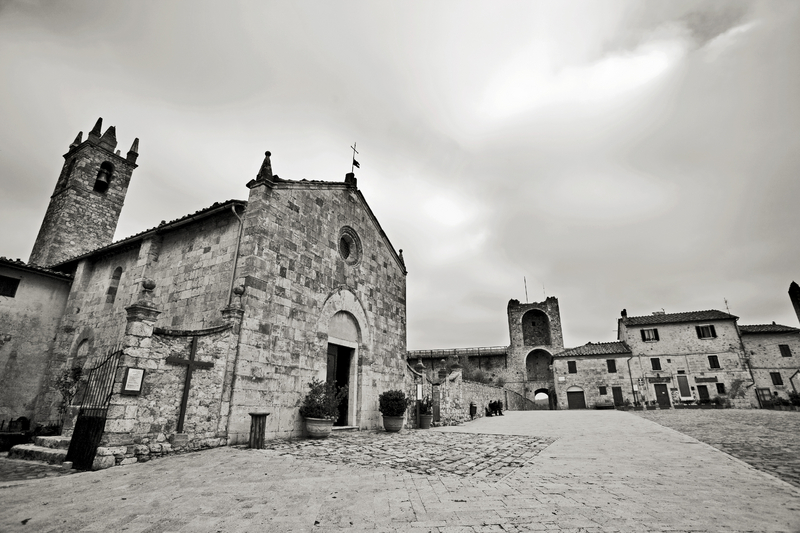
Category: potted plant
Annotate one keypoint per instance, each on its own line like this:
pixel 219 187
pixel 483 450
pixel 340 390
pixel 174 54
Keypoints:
pixel 320 407
pixel 425 413
pixel 637 406
pixel 651 405
pixel 392 405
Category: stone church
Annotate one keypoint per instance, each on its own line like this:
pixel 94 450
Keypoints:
pixel 202 320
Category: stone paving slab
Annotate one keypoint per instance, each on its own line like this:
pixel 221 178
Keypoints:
pixel 421 452
pixel 19 470
pixel 604 471
pixel 767 440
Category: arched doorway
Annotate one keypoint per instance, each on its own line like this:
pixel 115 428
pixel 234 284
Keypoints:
pixel 342 364
pixel 539 376
pixel 576 398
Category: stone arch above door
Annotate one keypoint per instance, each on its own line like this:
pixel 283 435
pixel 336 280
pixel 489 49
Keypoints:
pixel 538 365
pixel 340 300
pixel 343 325
pixel 535 328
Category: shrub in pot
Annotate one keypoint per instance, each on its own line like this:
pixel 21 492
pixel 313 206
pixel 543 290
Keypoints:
pixel 320 407
pixel 392 405
pixel 426 413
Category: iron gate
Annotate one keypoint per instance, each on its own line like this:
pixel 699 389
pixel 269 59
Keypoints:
pixel 92 415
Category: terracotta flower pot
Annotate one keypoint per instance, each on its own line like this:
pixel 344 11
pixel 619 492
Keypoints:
pixel 318 428
pixel 424 421
pixel 393 423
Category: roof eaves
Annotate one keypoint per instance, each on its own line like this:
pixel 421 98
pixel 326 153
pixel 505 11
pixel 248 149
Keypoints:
pixel 18 263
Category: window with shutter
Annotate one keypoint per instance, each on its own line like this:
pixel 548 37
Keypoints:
pixel 649 335
pixel 612 366
pixel 785 350
pixel 8 286
pixel 705 332
pixel 572 367
pixel 777 379
pixel 655 362
pixel 713 361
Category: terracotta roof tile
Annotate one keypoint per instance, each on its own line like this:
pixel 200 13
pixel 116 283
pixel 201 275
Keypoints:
pixel 18 263
pixel 767 328
pixel 597 348
pixel 669 318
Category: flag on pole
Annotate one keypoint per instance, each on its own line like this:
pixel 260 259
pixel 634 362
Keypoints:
pixel 355 164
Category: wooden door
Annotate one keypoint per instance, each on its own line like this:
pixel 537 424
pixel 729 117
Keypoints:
pixel 702 392
pixel 576 400
pixel 618 399
pixel 662 395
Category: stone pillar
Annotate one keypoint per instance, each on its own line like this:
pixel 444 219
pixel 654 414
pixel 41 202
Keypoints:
pixel 122 411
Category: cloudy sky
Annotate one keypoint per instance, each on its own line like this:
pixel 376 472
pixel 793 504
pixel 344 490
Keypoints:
pixel 639 155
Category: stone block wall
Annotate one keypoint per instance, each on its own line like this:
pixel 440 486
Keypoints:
pixel 153 414
pixel 763 351
pixel 28 324
pixel 296 279
pixel 192 268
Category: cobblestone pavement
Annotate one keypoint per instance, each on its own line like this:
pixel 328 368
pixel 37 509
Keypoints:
pixel 17 470
pixel 767 440
pixel 421 452
pixel 605 471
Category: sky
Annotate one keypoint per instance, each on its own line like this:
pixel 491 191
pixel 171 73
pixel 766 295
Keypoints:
pixel 614 154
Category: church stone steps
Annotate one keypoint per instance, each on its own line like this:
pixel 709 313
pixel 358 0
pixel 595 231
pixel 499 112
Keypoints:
pixel 53 442
pixel 31 452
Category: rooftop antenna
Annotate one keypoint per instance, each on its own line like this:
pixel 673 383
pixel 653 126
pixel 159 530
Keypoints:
pixel 726 305
pixel 355 163
pixel 526 288
pixel 544 294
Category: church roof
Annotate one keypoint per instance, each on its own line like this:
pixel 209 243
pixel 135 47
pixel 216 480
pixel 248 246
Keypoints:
pixel 597 348
pixel 213 209
pixel 767 328
pixel 671 318
pixel 22 265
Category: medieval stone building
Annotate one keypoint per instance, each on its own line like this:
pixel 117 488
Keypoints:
pixel 660 360
pixel 226 311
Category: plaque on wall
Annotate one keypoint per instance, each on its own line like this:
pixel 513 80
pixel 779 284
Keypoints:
pixel 132 384
pixel 705 380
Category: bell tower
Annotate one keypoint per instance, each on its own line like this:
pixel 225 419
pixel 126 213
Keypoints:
pixel 86 203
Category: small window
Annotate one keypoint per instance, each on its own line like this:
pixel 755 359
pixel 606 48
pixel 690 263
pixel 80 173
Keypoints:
pixel 785 350
pixel 603 391
pixel 612 366
pixel 713 361
pixel 705 332
pixel 720 388
pixel 111 293
pixel 8 286
pixel 776 378
pixel 649 335
pixel 572 367
pixel 656 363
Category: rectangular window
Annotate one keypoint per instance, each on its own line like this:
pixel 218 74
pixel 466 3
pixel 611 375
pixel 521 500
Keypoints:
pixel 785 350
pixel 8 286
pixel 683 387
pixel 720 388
pixel 573 368
pixel 656 363
pixel 713 361
pixel 649 335
pixel 776 378
pixel 612 366
pixel 603 391
pixel 705 332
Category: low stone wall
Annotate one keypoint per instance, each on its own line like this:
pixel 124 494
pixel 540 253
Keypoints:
pixel 108 456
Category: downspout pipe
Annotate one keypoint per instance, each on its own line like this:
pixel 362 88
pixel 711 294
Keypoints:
pixel 235 253
pixel 630 375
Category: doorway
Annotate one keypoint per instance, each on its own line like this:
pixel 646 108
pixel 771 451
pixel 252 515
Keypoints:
pixel 338 372
pixel 618 399
pixel 702 392
pixel 662 395
pixel 575 398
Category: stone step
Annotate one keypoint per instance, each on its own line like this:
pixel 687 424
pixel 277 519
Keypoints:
pixel 345 428
pixel 53 442
pixel 31 452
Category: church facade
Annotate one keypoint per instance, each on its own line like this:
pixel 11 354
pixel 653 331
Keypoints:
pixel 228 311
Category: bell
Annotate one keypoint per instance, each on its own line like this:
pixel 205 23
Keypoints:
pixel 101 184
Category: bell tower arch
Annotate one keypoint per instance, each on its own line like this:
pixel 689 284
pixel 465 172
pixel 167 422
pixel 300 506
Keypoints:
pixel 86 203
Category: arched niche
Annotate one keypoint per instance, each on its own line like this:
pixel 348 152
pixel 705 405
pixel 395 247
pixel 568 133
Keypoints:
pixel 535 328
pixel 537 366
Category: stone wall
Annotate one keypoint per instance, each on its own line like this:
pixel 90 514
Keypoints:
pixel 456 395
pixel 152 416
pixel 192 268
pixel 763 350
pixel 296 280
pixel 28 323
